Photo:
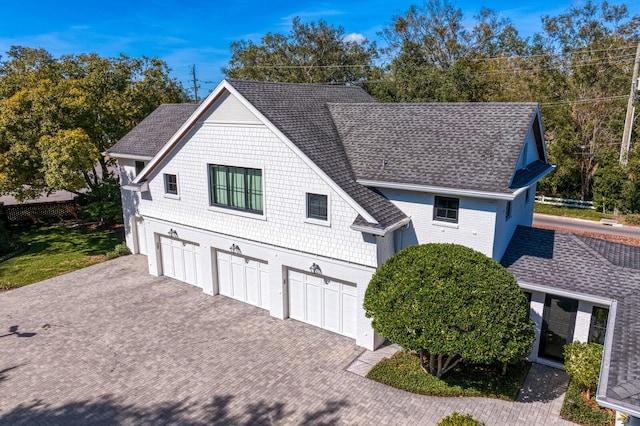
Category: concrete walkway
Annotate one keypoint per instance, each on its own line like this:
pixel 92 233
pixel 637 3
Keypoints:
pixel 112 345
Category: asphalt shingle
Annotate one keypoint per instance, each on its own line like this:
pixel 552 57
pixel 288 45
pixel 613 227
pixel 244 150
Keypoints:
pixel 593 267
pixel 301 112
pixel 154 131
pixel 424 143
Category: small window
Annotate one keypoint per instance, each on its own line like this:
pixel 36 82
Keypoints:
pixel 507 212
pixel 526 195
pixel 446 209
pixel 170 184
pixel 317 206
pixel 139 166
pixel 599 317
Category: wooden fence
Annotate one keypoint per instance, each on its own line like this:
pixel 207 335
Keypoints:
pixel 566 202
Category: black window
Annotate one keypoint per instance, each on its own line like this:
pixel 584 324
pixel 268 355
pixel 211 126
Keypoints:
pixel 599 317
pixel 316 206
pixel 139 166
pixel 446 209
pixel 170 184
pixel 235 187
pixel 526 195
pixel 507 212
pixel 528 295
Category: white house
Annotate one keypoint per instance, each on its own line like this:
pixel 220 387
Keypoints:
pixel 289 196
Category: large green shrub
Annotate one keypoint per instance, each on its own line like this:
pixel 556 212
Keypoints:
pixel 450 303
pixel 457 419
pixel 582 362
pixel 103 203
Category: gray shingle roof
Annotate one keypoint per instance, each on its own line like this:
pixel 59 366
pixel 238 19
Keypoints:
pixel 593 267
pixel 154 131
pixel 472 146
pixel 300 111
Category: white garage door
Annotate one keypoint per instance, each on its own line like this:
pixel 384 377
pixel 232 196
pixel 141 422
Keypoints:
pixel 244 279
pixel 181 260
pixel 323 302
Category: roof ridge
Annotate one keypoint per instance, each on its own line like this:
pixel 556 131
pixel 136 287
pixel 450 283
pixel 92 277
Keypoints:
pixel 286 83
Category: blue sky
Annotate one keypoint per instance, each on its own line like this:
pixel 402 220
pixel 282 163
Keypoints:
pixel 189 32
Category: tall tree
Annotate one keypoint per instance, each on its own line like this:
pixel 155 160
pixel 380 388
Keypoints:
pixel 592 48
pixel 310 53
pixel 58 115
pixel 436 58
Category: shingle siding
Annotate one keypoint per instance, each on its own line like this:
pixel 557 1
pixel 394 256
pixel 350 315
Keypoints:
pixel 286 180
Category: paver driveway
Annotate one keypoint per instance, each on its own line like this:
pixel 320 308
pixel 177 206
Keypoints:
pixel 112 345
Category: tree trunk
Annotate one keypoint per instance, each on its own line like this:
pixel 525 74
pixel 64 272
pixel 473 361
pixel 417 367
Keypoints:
pixel 504 368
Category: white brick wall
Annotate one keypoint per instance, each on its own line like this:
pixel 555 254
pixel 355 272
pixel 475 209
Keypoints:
pixel 286 180
pixel 521 214
pixel 475 227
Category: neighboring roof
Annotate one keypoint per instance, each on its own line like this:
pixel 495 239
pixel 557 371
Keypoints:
pixel 591 267
pixel 301 113
pixel 152 133
pixel 472 146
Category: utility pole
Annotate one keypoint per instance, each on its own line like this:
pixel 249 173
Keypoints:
pixel 631 107
pixel 195 82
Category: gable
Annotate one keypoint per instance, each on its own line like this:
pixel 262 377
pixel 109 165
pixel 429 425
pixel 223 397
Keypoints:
pixel 228 109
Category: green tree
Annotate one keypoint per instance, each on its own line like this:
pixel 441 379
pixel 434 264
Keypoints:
pixel 435 58
pixel 450 303
pixel 310 53
pixel 582 363
pixel 58 114
pixel 591 47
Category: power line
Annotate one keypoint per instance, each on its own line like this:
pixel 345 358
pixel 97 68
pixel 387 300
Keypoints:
pixel 583 101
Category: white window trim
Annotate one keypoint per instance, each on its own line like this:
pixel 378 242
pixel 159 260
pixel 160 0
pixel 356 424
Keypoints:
pixel 164 186
pixel 312 221
pixel 235 212
pixel 443 222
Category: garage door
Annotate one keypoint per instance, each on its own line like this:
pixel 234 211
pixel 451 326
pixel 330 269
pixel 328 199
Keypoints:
pixel 323 302
pixel 181 260
pixel 243 278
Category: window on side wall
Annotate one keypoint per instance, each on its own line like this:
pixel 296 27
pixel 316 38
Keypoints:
pixel 446 209
pixel 237 188
pixel 139 166
pixel 526 195
pixel 507 213
pixel 317 207
pixel 598 329
pixel 170 184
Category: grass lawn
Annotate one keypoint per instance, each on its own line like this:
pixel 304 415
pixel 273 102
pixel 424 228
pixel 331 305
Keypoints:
pixel 570 212
pixel 403 371
pixel 56 250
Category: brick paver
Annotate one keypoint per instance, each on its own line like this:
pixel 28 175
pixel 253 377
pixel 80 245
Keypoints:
pixel 111 344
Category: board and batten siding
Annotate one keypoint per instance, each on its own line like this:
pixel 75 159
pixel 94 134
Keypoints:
pixel 228 135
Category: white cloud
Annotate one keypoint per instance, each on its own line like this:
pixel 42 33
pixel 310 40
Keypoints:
pixel 354 38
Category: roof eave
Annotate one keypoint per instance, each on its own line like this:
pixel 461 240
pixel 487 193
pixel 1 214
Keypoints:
pixel 126 156
pixel 381 232
pixel 536 178
pixel 438 190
